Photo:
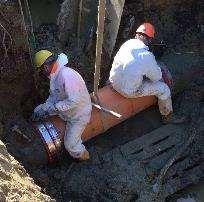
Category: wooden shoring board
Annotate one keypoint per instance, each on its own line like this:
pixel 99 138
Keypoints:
pixel 157 147
pixel 153 144
pixel 134 166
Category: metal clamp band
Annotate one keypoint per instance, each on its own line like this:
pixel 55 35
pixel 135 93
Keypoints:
pixel 50 138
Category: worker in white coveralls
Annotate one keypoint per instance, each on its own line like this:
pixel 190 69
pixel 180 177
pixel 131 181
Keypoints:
pixel 135 72
pixel 69 98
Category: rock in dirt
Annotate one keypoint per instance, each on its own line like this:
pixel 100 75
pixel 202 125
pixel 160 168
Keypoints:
pixel 15 183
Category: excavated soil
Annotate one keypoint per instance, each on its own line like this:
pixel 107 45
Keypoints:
pixel 68 180
pixel 15 183
pixel 106 177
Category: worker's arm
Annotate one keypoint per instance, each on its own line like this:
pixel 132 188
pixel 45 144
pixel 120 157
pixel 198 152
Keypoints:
pixel 65 105
pixel 72 94
pixel 45 109
pixel 153 71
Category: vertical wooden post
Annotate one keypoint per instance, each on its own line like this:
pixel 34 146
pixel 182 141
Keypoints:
pixel 99 43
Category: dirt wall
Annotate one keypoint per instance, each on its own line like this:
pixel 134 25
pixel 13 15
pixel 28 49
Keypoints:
pixel 15 183
pixel 178 23
pixel 16 78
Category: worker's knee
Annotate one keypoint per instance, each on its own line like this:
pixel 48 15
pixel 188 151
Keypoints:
pixel 72 138
pixel 164 91
pixel 70 141
pixel 74 146
pixel 68 145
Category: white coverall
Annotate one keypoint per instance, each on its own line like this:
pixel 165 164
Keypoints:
pixel 69 95
pixel 135 73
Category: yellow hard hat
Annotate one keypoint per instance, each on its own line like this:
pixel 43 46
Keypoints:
pixel 41 56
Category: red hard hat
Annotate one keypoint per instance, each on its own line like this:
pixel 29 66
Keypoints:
pixel 146 28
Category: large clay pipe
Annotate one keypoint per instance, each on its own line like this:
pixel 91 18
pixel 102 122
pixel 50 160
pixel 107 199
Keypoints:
pixel 51 131
pixel 102 121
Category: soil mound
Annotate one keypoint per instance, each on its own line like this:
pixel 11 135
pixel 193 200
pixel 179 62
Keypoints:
pixel 15 183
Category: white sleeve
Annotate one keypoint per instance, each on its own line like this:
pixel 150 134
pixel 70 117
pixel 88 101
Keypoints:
pixel 44 106
pixel 70 96
pixel 65 105
pixel 153 71
pixel 49 100
pixel 47 106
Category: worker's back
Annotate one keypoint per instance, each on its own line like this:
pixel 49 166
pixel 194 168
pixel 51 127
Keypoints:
pixel 68 89
pixel 131 63
pixel 127 69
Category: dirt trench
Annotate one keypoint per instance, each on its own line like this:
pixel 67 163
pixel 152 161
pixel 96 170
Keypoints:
pixel 108 180
pixel 118 169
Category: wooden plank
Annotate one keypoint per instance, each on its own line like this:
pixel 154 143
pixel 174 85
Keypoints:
pixel 155 150
pixel 138 145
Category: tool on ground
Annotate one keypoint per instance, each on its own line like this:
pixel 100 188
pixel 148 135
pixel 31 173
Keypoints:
pixel 16 129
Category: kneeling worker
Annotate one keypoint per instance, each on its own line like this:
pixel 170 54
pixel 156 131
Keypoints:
pixel 135 72
pixel 69 98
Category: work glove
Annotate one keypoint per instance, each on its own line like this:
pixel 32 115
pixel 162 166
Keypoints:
pixel 51 109
pixel 44 110
pixel 62 106
pixel 38 116
pixel 39 113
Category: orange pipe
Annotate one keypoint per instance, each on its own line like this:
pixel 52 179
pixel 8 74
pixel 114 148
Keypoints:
pixel 110 99
pixel 51 131
pixel 101 121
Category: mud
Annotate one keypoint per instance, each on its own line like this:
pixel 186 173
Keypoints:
pixel 193 193
pixel 103 178
pixel 107 176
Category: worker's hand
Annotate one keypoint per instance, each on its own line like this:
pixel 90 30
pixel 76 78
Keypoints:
pixel 52 109
pixel 36 117
pixel 39 113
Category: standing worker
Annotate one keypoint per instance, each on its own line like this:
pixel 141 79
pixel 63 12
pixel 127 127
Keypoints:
pixel 69 98
pixel 135 72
